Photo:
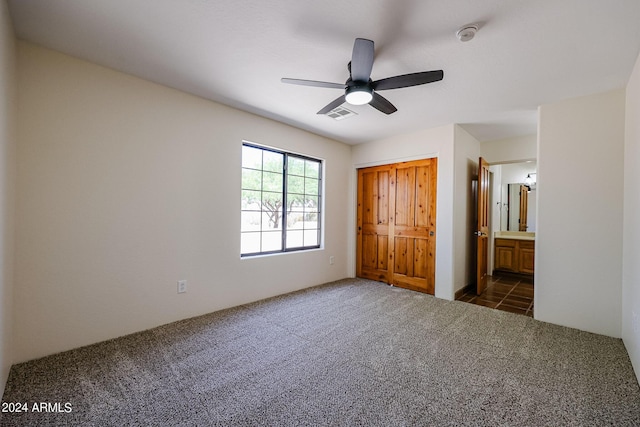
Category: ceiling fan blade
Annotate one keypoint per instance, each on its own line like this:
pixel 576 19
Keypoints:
pixel 407 80
pixel 381 103
pixel 362 60
pixel 314 83
pixel 333 104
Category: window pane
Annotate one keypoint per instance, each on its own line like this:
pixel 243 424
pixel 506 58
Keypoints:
pixel 273 161
pixel 295 203
pixel 312 169
pixel 250 243
pixel 294 239
pixel 295 220
pixel 251 157
pixel 271 241
pixel 311 237
pixel 251 179
pixel 311 204
pixel 272 181
pixel 251 199
pixel 311 220
pixel 311 186
pixel 295 166
pixel 250 221
pixel 271 202
pixel 295 184
pixel 271 220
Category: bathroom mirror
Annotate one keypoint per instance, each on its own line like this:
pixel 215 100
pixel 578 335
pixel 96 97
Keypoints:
pixel 516 214
pixel 516 211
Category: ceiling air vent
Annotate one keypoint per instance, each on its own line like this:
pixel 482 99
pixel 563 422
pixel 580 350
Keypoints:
pixel 340 113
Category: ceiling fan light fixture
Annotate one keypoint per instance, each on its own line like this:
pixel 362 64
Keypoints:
pixel 358 95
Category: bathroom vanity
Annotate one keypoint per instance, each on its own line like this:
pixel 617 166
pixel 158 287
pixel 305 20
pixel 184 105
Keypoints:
pixel 514 252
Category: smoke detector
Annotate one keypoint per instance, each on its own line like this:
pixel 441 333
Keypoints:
pixel 467 32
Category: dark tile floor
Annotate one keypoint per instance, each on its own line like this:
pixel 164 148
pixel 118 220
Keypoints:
pixel 506 293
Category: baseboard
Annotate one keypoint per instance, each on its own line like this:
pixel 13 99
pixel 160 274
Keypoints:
pixel 461 292
pixel 504 273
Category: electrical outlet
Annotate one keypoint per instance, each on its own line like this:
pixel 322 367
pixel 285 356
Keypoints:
pixel 182 286
pixel 332 259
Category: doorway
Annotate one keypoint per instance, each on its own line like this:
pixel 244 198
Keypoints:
pixel 396 224
pixel 505 233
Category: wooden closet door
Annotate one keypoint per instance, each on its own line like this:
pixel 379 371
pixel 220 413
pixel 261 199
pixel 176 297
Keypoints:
pixel 396 224
pixel 413 226
pixel 373 223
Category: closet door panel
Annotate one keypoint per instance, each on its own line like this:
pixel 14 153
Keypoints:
pixel 373 223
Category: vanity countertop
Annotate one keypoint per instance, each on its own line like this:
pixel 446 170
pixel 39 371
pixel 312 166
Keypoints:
pixel 515 235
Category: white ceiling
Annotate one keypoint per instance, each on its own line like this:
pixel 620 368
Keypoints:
pixel 526 53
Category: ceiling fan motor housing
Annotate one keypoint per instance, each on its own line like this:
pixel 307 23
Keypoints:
pixel 358 93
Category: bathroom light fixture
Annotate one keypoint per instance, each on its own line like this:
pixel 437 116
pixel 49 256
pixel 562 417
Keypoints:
pixel 529 181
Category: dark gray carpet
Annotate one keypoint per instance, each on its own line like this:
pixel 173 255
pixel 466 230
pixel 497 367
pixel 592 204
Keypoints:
pixel 353 352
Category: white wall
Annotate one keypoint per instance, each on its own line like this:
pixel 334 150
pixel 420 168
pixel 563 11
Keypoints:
pixel 631 241
pixel 515 173
pixel 510 150
pixel 467 153
pixel 579 231
pixel 7 188
pixel 436 142
pixel 125 187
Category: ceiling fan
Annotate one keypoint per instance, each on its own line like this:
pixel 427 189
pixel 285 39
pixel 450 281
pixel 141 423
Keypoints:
pixel 359 89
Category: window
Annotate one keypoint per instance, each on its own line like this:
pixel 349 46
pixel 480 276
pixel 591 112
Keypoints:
pixel 281 201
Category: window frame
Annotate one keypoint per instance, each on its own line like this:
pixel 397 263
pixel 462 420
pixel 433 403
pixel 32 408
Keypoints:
pixel 284 192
